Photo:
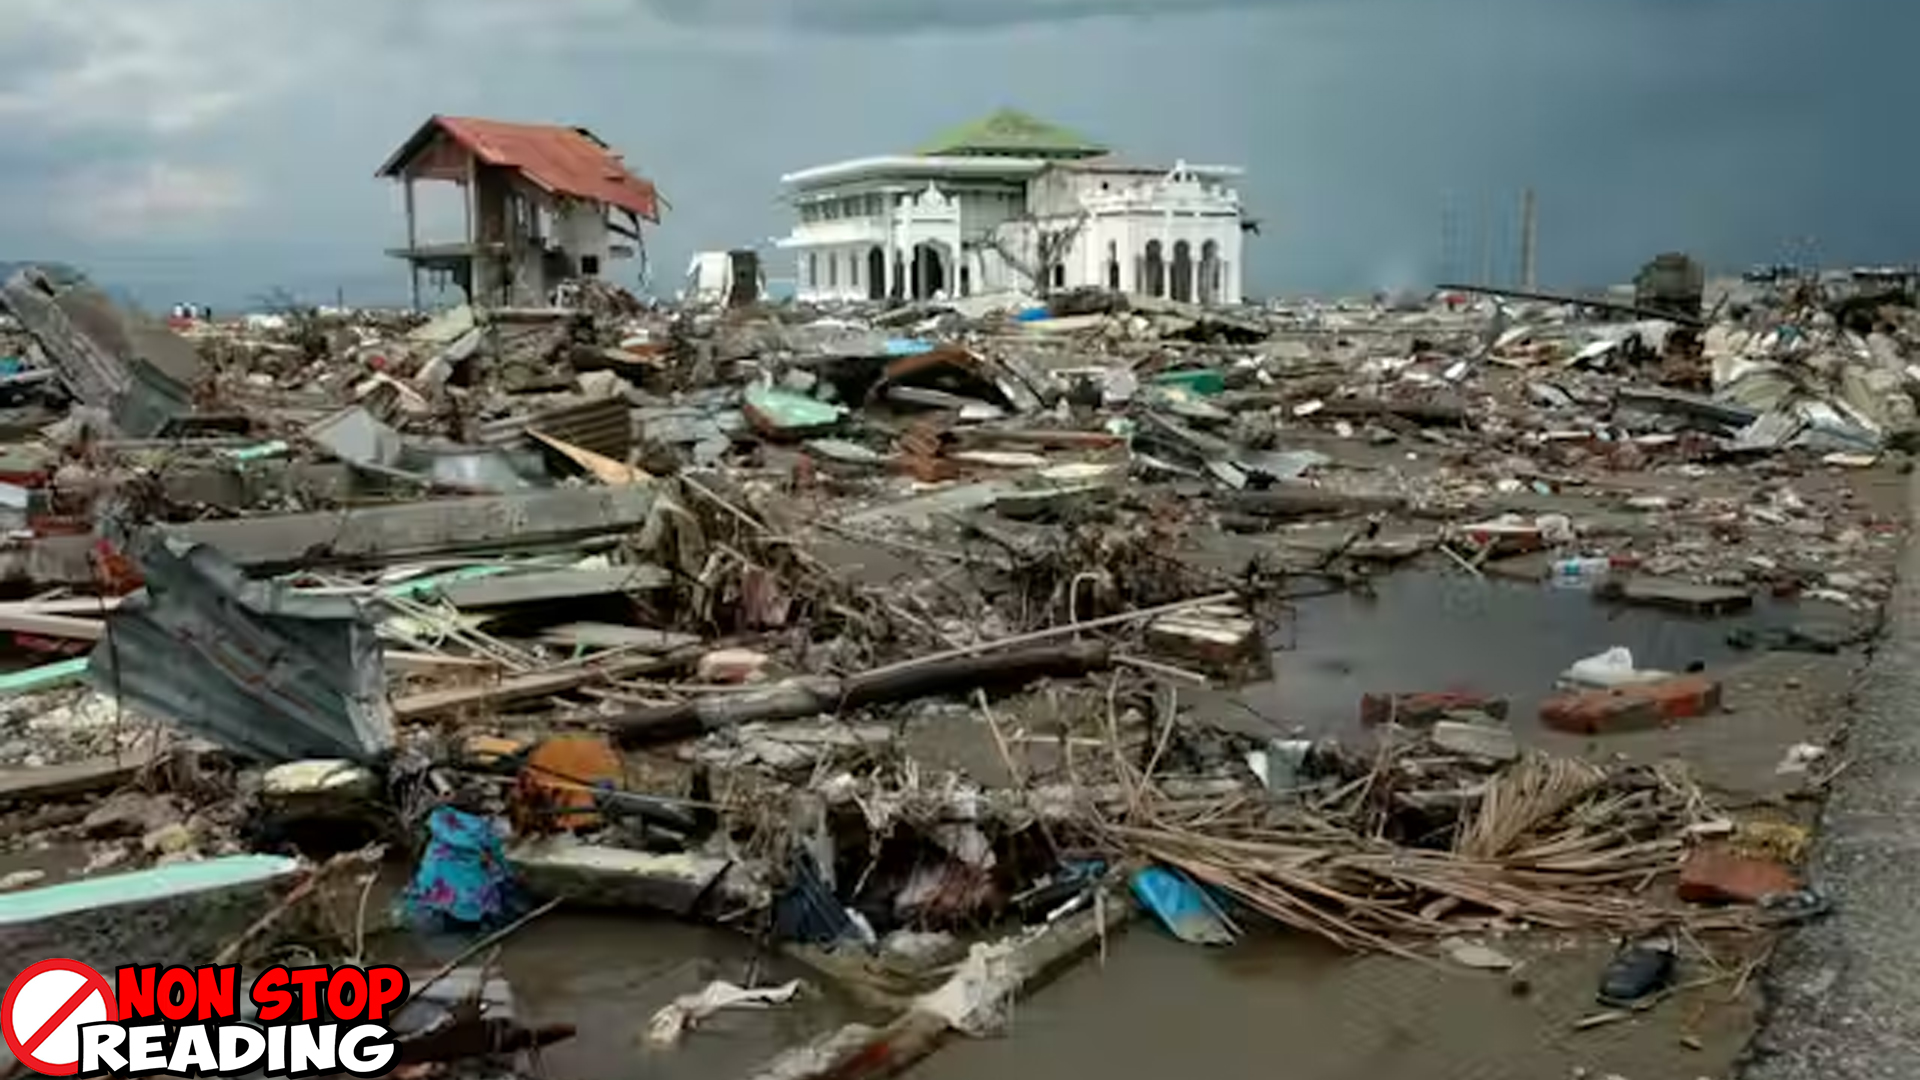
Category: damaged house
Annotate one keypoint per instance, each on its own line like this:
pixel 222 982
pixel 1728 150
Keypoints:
pixel 1014 202
pixel 544 204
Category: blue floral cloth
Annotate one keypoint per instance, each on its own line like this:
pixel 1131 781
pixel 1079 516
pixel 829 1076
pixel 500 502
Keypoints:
pixel 463 876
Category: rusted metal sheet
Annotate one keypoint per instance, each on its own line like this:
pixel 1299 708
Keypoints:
pixel 563 160
pixel 604 426
pixel 261 670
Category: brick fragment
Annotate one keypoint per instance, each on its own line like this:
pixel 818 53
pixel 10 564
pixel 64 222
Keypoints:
pixel 1631 708
pixel 1716 874
pixel 1424 708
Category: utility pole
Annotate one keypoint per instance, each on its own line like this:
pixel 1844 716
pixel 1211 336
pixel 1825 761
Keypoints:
pixel 1486 244
pixel 1529 239
pixel 1452 261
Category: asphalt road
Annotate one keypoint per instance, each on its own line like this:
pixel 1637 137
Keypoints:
pixel 1844 994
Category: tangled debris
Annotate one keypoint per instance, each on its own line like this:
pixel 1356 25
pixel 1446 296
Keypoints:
pixel 862 642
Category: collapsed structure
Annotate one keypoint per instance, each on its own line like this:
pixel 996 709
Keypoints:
pixel 865 626
pixel 544 204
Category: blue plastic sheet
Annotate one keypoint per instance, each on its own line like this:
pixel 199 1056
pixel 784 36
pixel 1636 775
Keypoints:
pixel 908 347
pixel 1183 907
pixel 463 877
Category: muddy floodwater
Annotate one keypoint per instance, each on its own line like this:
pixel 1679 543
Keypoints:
pixel 1274 1004
pixel 1446 631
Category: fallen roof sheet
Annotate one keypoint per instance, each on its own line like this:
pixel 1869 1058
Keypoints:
pixel 563 160
pixel 139 372
pixel 385 534
pixel 259 669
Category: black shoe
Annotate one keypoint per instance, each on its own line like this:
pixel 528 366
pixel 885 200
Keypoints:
pixel 1638 972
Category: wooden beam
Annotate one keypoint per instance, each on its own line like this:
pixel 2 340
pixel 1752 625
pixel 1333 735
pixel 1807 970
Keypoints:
pixel 432 703
pixel 23 619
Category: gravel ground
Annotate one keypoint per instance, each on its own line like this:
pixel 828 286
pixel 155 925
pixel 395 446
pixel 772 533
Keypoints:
pixel 1844 994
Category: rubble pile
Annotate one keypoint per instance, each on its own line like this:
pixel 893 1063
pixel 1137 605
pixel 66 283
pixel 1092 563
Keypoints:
pixel 863 628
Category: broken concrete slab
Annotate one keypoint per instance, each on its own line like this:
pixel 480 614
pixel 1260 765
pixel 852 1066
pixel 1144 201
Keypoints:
pixel 1300 500
pixel 1494 743
pixel 1689 597
pixel 383 534
pixel 597 876
pixel 180 913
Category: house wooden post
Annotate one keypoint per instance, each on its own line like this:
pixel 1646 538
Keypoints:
pixel 413 245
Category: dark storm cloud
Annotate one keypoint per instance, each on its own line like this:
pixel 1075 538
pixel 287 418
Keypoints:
pixel 1731 128
pixel 883 17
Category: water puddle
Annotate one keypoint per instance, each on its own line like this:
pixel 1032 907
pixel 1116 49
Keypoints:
pixel 1437 631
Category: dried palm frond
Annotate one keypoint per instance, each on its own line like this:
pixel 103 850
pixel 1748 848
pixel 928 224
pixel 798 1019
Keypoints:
pixel 1527 795
pixel 1553 842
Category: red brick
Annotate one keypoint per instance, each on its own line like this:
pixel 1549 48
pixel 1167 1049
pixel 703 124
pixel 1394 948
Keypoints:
pixel 1714 874
pixel 1631 708
pixel 1419 709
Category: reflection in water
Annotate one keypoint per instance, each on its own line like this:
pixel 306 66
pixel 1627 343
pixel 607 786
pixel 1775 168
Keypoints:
pixel 1437 631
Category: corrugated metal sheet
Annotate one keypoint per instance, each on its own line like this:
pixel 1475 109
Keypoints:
pixel 563 160
pixel 140 373
pixel 604 427
pixel 255 667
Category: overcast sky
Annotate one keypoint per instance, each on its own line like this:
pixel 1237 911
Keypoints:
pixel 212 149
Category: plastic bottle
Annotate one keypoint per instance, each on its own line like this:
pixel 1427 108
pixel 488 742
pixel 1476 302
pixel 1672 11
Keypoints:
pixel 1578 573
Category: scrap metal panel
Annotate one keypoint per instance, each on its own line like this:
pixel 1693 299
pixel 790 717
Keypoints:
pixel 253 666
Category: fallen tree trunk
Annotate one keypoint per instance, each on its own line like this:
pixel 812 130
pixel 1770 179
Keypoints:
pixel 797 699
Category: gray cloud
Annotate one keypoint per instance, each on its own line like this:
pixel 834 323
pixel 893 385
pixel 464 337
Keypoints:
pixel 884 17
pixel 1725 128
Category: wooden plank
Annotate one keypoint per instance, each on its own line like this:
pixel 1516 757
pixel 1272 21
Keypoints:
pixel 74 778
pixel 595 635
pixel 433 663
pixel 71 627
pixel 21 620
pixel 515 688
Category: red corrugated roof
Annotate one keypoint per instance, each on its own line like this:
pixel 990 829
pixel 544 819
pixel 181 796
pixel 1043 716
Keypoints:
pixel 563 160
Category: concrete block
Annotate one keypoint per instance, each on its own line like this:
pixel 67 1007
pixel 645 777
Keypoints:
pixel 598 876
pixel 1476 740
pixel 1681 596
pixel 177 914
pixel 1217 639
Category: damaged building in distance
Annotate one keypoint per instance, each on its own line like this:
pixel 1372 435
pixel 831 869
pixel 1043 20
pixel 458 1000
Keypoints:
pixel 544 204
pixel 1013 202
